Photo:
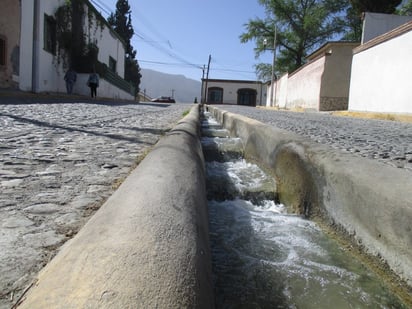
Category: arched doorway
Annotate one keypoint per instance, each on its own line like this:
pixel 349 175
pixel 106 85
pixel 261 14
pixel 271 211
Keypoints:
pixel 215 95
pixel 246 96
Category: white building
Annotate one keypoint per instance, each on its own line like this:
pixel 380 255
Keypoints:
pixel 241 92
pixel 41 68
pixel 381 72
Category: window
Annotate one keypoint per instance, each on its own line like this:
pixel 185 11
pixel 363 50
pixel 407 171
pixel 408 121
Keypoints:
pixel 246 96
pixel 112 64
pixel 215 95
pixel 2 51
pixel 49 34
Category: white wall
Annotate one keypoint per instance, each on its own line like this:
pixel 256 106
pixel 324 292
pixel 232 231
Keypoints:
pixel 282 91
pixel 381 77
pixel 109 45
pixel 106 89
pixel 304 86
pixel 26 45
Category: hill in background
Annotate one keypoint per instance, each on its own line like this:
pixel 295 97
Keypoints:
pixel 161 84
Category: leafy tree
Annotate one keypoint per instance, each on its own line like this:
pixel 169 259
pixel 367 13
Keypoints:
pixel 375 6
pixel 121 21
pixel 302 26
pixel 406 9
pixel 354 25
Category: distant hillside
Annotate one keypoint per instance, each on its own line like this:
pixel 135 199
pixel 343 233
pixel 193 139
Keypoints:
pixel 161 84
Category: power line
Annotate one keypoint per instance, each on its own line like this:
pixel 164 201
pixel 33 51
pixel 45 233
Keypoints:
pixel 147 39
pixel 102 6
pixel 169 63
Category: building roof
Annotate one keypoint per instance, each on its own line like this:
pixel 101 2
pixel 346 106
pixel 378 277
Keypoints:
pixel 232 81
pixel 327 46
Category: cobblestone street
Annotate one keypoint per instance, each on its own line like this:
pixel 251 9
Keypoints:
pixel 58 163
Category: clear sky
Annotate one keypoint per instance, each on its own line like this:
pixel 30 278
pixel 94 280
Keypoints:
pixel 177 36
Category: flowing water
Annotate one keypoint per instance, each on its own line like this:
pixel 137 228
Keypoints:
pixel 263 257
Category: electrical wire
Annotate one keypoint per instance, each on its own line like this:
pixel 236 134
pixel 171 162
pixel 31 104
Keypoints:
pixel 157 44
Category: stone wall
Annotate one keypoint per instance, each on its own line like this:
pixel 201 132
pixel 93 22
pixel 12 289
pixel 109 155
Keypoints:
pixel 333 103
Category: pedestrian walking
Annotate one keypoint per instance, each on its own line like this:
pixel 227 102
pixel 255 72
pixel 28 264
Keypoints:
pixel 70 78
pixel 93 83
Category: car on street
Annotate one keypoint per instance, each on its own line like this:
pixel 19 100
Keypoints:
pixel 163 99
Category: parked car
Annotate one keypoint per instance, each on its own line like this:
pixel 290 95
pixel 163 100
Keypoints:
pixel 164 100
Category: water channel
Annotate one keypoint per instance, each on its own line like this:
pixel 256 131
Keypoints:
pixel 263 257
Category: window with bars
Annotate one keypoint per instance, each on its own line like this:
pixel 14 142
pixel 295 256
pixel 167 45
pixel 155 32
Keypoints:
pixel 112 64
pixel 2 51
pixel 50 34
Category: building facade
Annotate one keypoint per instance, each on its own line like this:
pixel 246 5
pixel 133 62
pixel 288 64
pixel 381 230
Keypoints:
pixel 240 92
pixel 40 66
pixel 9 43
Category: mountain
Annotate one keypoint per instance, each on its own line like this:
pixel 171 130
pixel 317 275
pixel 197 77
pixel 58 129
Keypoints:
pixel 161 84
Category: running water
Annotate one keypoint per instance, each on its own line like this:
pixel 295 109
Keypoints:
pixel 264 257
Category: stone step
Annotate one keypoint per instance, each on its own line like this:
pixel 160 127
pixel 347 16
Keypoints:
pixel 215 132
pixel 222 149
pixel 250 183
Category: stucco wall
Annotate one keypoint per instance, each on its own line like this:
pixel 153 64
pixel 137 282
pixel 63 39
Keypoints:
pixel 106 89
pixel 26 45
pixel 280 94
pixel 381 77
pixel 334 93
pixel 304 86
pixel 282 91
pixel 230 89
pixel 10 31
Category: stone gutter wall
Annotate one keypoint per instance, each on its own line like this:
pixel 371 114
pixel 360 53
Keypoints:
pixel 368 200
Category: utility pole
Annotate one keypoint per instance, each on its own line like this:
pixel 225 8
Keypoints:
pixel 173 93
pixel 203 80
pixel 207 79
pixel 273 71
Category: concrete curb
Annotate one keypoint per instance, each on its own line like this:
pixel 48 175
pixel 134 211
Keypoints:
pixel 147 246
pixel 370 201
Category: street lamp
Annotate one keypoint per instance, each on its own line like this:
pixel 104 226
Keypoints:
pixel 272 81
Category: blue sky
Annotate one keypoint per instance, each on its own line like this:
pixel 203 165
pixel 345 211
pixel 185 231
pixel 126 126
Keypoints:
pixel 177 36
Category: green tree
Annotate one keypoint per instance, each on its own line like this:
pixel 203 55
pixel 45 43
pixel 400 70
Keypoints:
pixel 406 8
pixel 121 21
pixel 375 6
pixel 302 26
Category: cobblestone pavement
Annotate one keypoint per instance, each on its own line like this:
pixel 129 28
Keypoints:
pixel 58 163
pixel 386 141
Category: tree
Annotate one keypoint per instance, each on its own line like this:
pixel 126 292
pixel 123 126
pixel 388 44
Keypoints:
pixel 375 6
pixel 302 26
pixel 406 9
pixel 121 21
